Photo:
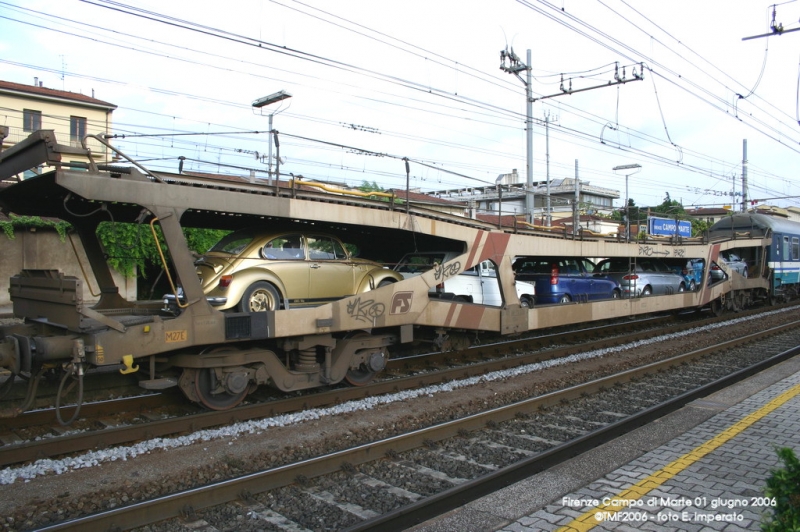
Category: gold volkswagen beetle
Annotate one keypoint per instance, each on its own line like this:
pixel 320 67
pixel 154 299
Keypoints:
pixel 253 271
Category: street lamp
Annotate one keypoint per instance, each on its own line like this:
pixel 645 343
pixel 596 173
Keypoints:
pixel 264 101
pixel 636 168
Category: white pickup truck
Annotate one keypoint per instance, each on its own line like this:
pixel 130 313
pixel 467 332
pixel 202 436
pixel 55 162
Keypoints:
pixel 476 285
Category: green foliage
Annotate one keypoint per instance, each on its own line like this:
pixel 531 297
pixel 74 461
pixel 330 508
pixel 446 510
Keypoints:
pixel 125 246
pixel 27 222
pixel 699 226
pixel 131 247
pixel 366 186
pixel 669 208
pixel 201 240
pixel 784 487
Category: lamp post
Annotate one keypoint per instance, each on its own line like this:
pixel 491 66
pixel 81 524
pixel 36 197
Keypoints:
pixel 263 102
pixel 636 168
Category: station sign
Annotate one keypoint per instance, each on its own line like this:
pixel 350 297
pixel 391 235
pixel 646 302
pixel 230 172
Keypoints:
pixel 667 227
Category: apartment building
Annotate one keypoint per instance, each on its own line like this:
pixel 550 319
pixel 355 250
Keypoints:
pixel 27 108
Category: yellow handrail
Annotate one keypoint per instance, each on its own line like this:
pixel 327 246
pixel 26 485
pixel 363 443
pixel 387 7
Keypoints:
pixel 164 262
pixel 337 190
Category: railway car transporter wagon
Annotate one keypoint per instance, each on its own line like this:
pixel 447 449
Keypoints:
pixel 216 356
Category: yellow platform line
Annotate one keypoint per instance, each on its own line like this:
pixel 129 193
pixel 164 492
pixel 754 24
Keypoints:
pixel 587 521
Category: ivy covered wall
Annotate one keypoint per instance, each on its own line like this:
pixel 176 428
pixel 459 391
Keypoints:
pixel 30 242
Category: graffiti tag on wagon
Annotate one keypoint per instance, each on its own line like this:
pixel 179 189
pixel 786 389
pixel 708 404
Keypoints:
pixel 365 310
pixel 680 252
pixel 442 272
pixel 649 251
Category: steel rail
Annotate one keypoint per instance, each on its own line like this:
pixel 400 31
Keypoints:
pixel 459 368
pixel 186 502
pixel 460 365
pixel 458 496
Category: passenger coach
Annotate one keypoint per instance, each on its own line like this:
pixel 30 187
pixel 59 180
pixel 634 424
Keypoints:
pixel 782 254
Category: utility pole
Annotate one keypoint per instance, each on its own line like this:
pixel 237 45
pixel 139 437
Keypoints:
pixel 744 175
pixel 548 208
pixel 515 66
pixel 576 213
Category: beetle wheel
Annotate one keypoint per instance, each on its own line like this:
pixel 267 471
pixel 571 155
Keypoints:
pixel 385 282
pixel 210 392
pixel 259 297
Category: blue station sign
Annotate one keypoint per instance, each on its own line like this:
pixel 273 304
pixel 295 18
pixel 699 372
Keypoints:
pixel 666 227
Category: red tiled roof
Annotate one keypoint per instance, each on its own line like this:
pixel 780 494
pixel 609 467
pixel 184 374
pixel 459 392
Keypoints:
pixel 53 93
pixel 506 220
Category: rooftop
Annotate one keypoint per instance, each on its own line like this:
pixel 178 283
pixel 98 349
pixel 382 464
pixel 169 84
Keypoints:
pixel 8 87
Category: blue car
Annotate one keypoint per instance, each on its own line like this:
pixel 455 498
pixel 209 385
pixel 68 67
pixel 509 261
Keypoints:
pixel 563 280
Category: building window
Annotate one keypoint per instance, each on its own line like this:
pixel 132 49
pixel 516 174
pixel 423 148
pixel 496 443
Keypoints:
pixel 31 120
pixel 77 128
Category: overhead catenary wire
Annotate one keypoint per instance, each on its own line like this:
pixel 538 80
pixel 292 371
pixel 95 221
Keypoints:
pixel 581 136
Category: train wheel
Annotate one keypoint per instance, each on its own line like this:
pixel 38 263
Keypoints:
pixel 360 376
pixel 366 371
pixel 212 393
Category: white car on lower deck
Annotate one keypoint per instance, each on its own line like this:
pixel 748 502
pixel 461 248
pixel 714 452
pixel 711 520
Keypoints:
pixel 478 284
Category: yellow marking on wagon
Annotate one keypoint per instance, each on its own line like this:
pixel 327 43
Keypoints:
pixel 176 336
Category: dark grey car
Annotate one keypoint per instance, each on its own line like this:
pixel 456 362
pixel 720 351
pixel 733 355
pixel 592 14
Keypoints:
pixel 641 277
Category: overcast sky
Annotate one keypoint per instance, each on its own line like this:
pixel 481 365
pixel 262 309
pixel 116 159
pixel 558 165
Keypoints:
pixel 375 81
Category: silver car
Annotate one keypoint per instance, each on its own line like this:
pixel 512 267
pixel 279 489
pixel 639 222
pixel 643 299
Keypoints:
pixel 641 277
pixel 732 261
pixel 735 263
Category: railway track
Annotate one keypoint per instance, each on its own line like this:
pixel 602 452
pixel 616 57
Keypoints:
pixel 33 435
pixel 513 438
